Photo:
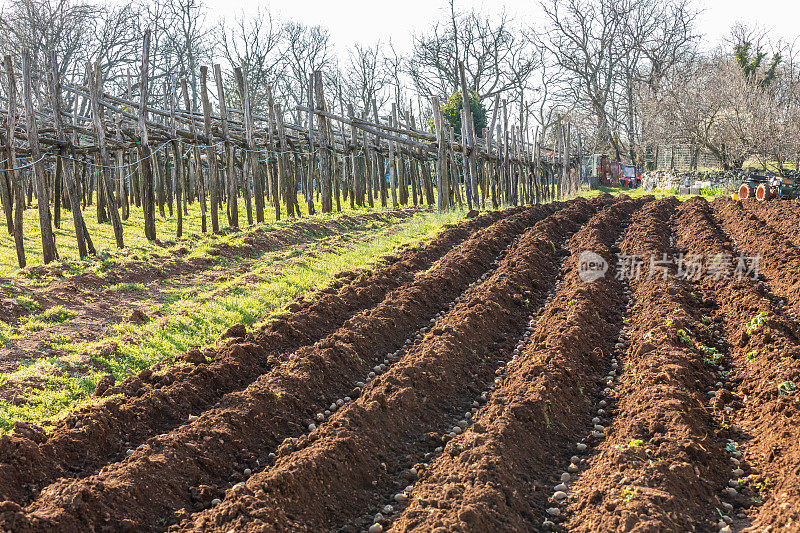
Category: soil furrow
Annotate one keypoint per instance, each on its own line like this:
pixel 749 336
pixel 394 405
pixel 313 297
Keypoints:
pixel 403 410
pixel 780 258
pixel 660 466
pixel 496 476
pixel 761 412
pixel 154 402
pixel 178 470
pixel 782 216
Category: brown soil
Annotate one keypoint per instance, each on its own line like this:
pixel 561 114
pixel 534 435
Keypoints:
pixel 660 464
pixel 434 385
pixel 781 215
pixel 764 423
pixel 376 437
pixel 780 258
pixel 495 477
pixel 153 402
pixel 245 426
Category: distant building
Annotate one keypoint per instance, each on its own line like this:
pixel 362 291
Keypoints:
pixel 682 157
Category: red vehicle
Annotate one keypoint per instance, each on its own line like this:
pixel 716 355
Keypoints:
pixel 629 177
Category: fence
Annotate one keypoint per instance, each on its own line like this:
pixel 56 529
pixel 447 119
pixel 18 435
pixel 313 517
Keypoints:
pixel 130 151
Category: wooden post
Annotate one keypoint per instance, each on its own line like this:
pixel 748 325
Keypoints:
pixel 211 151
pixel 393 161
pixel 287 186
pixel 252 155
pixel 465 158
pixel 95 80
pixel 380 172
pixel 468 140
pixel 148 201
pixel 506 157
pixel 274 185
pixel 198 170
pixel 45 225
pixel 81 235
pixel 177 168
pixel 19 195
pixel 324 154
pixel 230 177
pixel 454 169
pixel 311 154
pixel 355 164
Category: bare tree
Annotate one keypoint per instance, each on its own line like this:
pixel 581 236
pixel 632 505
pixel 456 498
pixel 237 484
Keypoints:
pixel 307 49
pixel 42 26
pixel 366 76
pixel 254 43
pixel 494 54
pixel 608 47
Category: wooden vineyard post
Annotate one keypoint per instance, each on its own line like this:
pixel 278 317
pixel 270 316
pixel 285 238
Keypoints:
pixel 456 186
pixel 19 196
pixel 393 161
pixel 379 162
pixel 227 148
pixel 45 225
pixel 274 186
pixel 287 185
pixel 198 170
pixel 311 154
pixel 469 139
pixel 324 150
pixel 177 167
pixel 506 166
pixel 355 165
pixel 211 151
pixel 515 168
pixel 94 78
pixel 120 173
pixel 251 155
pixel 465 158
pixel 400 181
pixel 145 168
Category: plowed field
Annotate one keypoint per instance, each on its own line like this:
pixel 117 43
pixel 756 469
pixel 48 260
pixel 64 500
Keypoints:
pixel 492 380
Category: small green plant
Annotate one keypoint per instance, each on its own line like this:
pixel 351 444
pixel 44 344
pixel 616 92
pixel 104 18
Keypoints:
pixel 634 443
pixel 751 355
pixel 26 302
pixel 757 322
pixel 58 340
pixel 685 337
pixel 731 447
pixel 629 494
pixel 572 302
pixel 714 357
pixel 786 388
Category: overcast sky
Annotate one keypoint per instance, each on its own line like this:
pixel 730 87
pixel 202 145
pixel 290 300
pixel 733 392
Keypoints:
pixel 367 21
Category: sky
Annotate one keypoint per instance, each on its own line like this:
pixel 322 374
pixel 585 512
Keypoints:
pixel 367 21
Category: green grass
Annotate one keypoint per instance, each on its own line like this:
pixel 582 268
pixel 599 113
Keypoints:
pixel 200 315
pixel 26 302
pixel 133 235
pixel 639 192
pixel 7 334
pixel 53 315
